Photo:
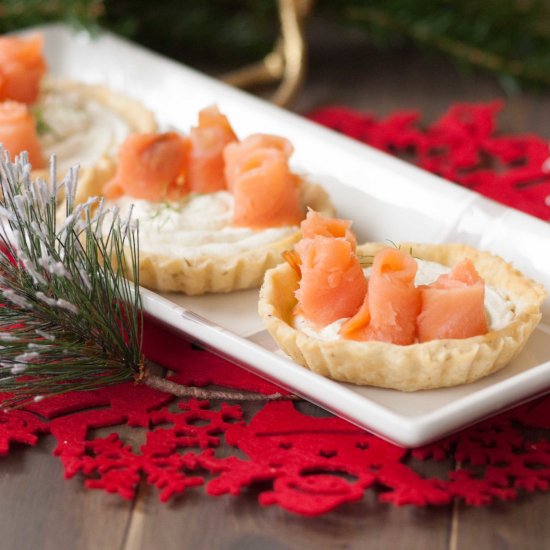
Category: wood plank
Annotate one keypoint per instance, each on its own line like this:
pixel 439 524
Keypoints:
pixel 506 525
pixel 239 522
pixel 40 509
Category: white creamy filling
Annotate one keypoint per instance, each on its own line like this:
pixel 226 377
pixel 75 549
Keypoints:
pixel 197 225
pixel 78 129
pixel 498 307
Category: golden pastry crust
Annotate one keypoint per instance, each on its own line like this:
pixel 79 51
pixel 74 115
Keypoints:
pixel 203 274
pixel 428 365
pixel 138 118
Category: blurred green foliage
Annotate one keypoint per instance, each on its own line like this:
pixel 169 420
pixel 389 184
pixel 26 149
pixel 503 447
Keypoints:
pixel 508 37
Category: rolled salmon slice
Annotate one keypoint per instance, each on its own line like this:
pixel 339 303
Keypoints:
pixel 357 327
pixel 150 167
pixel 22 67
pixel 266 194
pixel 315 224
pixel 394 301
pixel 236 155
pixel 333 285
pixel 208 140
pixel 453 306
pixel 18 132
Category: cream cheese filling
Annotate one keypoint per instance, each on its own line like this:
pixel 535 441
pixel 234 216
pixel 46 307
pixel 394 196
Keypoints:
pixel 78 129
pixel 197 225
pixel 498 307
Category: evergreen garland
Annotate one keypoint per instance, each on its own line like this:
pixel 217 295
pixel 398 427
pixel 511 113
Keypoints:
pixel 17 14
pixel 510 39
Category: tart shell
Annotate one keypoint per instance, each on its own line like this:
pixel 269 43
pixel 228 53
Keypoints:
pixel 434 364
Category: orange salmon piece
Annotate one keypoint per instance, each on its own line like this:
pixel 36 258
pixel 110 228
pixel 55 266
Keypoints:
pixel 357 327
pixel 208 140
pixel 266 194
pixel 453 306
pixel 236 155
pixel 315 224
pixel 394 301
pixel 333 285
pixel 18 132
pixel 150 167
pixel 22 67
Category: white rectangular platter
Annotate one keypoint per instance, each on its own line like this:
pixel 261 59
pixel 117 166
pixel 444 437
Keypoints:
pixel 387 199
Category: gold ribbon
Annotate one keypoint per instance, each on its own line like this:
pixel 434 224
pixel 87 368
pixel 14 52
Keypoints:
pixel 286 64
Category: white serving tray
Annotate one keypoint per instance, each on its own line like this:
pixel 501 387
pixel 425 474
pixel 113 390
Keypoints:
pixel 386 198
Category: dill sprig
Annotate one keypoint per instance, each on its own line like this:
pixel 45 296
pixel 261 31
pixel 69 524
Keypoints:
pixel 42 127
pixel 71 320
pixel 165 207
pixel 367 260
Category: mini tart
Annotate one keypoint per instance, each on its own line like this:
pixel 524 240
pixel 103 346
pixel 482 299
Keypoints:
pixel 433 364
pixel 129 111
pixel 208 273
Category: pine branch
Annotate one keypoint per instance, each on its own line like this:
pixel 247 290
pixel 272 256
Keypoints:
pixel 152 379
pixel 71 319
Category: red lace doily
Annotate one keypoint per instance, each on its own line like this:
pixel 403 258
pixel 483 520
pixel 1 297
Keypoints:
pixel 312 464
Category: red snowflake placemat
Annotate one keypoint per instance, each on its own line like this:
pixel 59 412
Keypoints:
pixel 312 464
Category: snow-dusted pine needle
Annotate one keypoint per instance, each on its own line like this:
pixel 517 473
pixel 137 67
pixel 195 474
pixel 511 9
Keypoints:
pixel 71 320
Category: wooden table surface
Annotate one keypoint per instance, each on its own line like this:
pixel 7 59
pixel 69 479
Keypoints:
pixel 39 509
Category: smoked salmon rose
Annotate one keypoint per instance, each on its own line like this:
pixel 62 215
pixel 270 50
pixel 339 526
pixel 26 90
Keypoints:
pixel 22 67
pixel 18 132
